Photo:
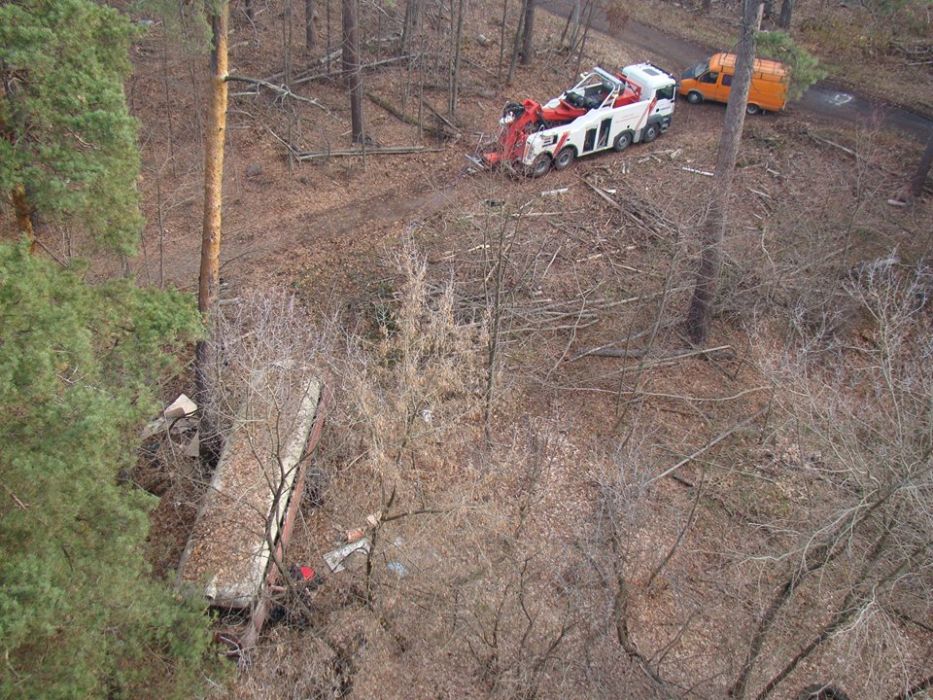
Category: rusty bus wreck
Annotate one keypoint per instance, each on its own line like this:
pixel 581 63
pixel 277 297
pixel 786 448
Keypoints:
pixel 234 554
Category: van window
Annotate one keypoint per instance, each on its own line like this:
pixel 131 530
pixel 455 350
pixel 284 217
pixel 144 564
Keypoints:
pixel 727 80
pixel 665 93
pixel 709 77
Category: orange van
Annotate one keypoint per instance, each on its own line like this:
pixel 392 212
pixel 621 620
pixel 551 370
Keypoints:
pixel 712 81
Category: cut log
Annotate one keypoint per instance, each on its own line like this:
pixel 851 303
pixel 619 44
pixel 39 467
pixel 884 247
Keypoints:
pixel 382 151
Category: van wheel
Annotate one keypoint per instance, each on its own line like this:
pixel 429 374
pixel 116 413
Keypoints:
pixel 623 141
pixel 539 166
pixel 694 98
pixel 565 157
pixel 650 133
pixel 752 109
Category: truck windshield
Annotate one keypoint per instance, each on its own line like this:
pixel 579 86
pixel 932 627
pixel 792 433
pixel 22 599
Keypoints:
pixel 697 70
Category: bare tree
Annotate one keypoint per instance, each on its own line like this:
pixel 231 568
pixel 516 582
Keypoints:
pixel 310 28
pixel 862 559
pixel 699 315
pixel 528 32
pixel 352 68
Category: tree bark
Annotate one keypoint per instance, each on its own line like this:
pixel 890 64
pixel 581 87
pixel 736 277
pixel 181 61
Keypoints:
pixel 309 24
pixel 24 215
pixel 516 43
pixel 214 163
pixel 787 10
pixel 699 315
pixel 410 25
pixel 351 66
pixel 527 34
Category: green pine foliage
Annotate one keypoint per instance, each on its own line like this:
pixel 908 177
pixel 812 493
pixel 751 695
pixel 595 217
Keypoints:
pixel 67 134
pixel 80 615
pixel 804 67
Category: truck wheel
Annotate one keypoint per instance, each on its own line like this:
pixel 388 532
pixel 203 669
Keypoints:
pixel 539 166
pixel 566 156
pixel 694 98
pixel 752 109
pixel 623 141
pixel 650 133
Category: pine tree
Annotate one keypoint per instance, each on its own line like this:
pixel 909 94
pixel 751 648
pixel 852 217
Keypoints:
pixel 67 142
pixel 80 615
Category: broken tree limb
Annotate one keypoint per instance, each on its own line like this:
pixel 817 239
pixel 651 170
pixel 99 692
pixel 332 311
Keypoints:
pixel 638 211
pixel 608 351
pixel 310 77
pixel 384 151
pixel 440 116
pixel 280 90
pixel 707 173
pixel 709 445
pixel 439 132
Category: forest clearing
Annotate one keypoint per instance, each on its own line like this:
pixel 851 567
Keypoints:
pixel 564 472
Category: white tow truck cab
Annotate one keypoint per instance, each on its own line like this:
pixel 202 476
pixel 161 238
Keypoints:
pixel 615 110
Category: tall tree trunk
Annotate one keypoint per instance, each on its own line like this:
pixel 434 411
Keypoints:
pixel 351 66
pixel 214 162
pixel 209 278
pixel 309 24
pixel 454 86
pixel 701 306
pixel 410 24
pixel 528 32
pixel 505 15
pixel 586 32
pixel 516 43
pixel 787 10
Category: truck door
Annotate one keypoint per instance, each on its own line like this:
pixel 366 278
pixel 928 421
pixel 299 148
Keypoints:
pixel 706 84
pixel 723 87
pixel 664 101
pixel 604 133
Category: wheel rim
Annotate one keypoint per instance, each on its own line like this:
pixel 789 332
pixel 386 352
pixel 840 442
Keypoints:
pixel 564 158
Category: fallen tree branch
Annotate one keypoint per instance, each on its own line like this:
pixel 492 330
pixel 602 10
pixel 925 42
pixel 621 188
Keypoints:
pixel 440 116
pixel 709 445
pixel 337 73
pixel 280 90
pixel 437 131
pixel 383 151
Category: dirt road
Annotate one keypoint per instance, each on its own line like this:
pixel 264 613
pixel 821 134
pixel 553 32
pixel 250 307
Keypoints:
pixel 824 98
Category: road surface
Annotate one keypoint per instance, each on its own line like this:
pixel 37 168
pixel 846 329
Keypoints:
pixel 823 98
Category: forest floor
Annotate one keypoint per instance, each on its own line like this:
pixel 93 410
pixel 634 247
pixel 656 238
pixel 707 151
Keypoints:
pixel 582 273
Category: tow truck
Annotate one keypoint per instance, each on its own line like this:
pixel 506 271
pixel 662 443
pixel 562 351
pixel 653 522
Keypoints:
pixel 603 110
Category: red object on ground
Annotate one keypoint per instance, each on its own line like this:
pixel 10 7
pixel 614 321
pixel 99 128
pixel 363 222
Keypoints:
pixel 307 573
